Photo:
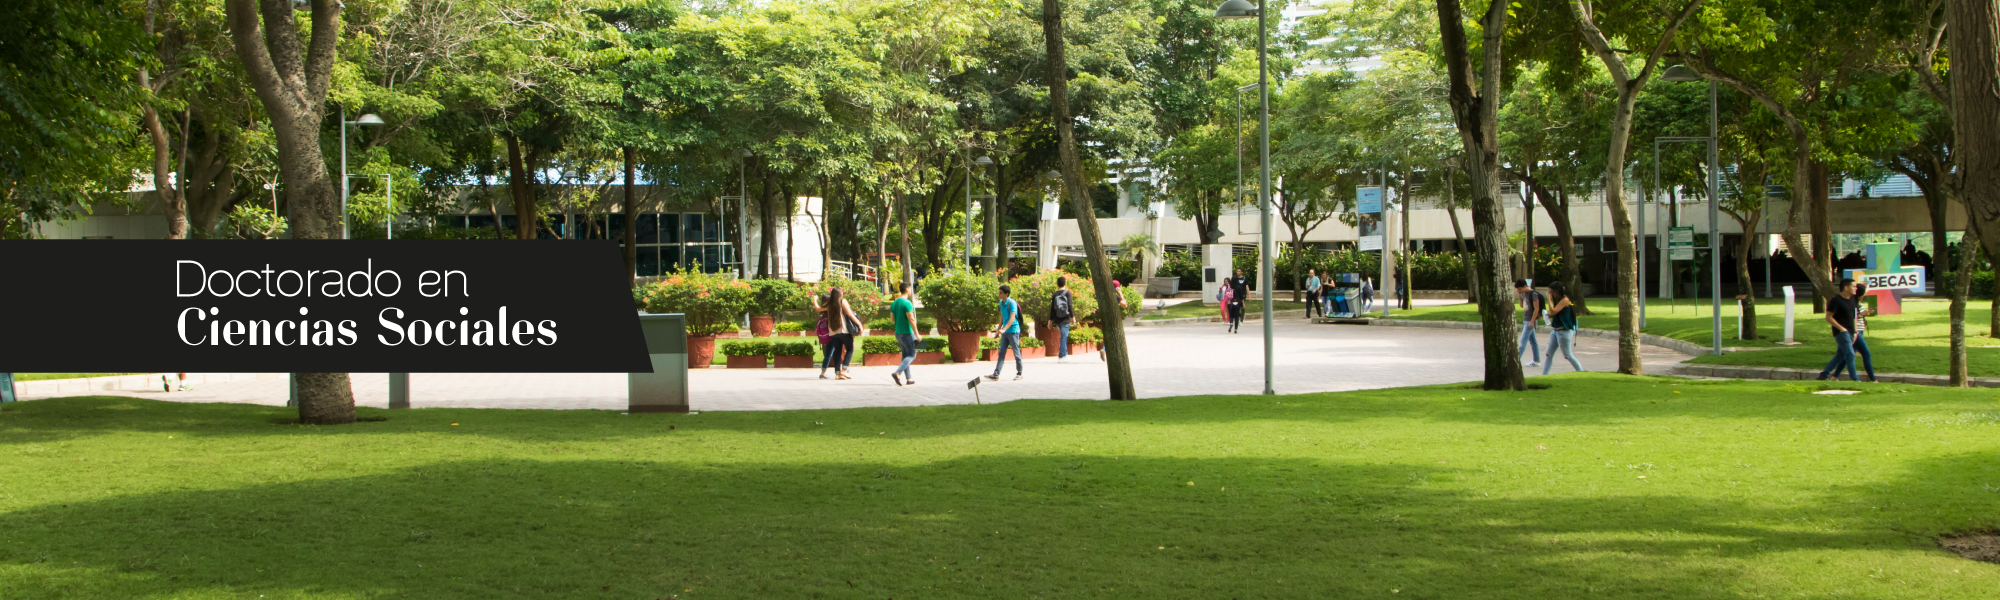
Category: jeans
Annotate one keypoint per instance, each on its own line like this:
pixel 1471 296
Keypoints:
pixel 1528 341
pixel 908 342
pixel 839 352
pixel 1007 340
pixel 1367 302
pixel 1312 303
pixel 1062 349
pixel 1867 358
pixel 1843 356
pixel 1566 340
pixel 1235 316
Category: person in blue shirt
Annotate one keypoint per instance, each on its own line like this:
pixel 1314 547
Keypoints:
pixel 1010 334
pixel 1312 294
pixel 1562 320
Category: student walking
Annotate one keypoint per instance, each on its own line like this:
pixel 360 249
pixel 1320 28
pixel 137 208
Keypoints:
pixel 1312 294
pixel 1367 294
pixel 1562 320
pixel 1010 334
pixel 1532 303
pixel 1861 332
pixel 842 325
pixel 903 310
pixel 1841 311
pixel 1060 311
pixel 1239 289
pixel 825 332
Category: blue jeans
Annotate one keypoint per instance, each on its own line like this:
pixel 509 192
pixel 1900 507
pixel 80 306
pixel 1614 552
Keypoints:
pixel 1527 342
pixel 839 348
pixel 908 342
pixel 1867 358
pixel 1008 340
pixel 1062 351
pixel 1843 356
pixel 1564 339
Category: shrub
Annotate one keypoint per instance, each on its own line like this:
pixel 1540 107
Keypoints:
pixel 930 324
pixel 962 301
pixel 1086 335
pixel 791 349
pixel 880 344
pixel 745 348
pixel 936 344
pixel 1135 302
pixel 989 343
pixel 862 296
pixel 790 326
pixel 1183 265
pixel 882 324
pixel 1034 291
pixel 639 298
pixel 1125 271
pixel 772 296
pixel 1029 342
pixel 711 301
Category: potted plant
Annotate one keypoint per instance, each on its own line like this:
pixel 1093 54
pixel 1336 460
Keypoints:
pixel 926 326
pixel 791 328
pixel 792 355
pixel 1085 339
pixel 1032 348
pixel 711 302
pixel 1034 292
pixel 862 296
pixel 882 326
pixel 747 354
pixel 768 298
pixel 932 351
pixel 879 351
pixel 987 347
pixel 966 305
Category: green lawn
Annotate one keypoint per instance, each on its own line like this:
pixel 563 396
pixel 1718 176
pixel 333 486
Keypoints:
pixel 1916 341
pixel 1195 308
pixel 1599 487
pixel 43 376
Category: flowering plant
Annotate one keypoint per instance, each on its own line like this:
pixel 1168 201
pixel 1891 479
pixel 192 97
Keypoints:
pixel 862 296
pixel 711 301
pixel 771 296
pixel 962 301
pixel 1035 291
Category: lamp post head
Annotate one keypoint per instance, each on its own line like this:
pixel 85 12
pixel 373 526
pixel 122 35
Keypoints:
pixel 1053 174
pixel 368 119
pixel 982 161
pixel 1236 9
pixel 1680 73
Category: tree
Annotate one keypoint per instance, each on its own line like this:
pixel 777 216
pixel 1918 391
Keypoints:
pixel 1550 128
pixel 1117 352
pixel 1975 112
pixel 1751 144
pixel 1646 23
pixel 66 87
pixel 1475 105
pixel 292 83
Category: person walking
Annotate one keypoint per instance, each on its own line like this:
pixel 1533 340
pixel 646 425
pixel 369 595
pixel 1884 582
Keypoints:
pixel 1239 289
pixel 825 331
pixel 1562 322
pixel 1532 303
pixel 1840 315
pixel 1367 294
pixel 1222 300
pixel 1861 313
pixel 903 310
pixel 1009 333
pixel 1312 294
pixel 1061 309
pixel 843 325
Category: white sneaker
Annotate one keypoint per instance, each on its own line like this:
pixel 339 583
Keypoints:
pixel 1535 363
pixel 1061 360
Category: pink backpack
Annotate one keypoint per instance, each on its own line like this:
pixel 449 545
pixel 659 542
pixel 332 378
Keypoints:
pixel 825 333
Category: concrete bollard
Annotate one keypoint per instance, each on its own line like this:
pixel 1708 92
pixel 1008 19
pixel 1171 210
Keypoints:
pixel 1790 302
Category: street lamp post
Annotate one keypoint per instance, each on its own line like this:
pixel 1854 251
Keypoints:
pixel 367 119
pixel 1242 9
pixel 1682 73
pixel 981 162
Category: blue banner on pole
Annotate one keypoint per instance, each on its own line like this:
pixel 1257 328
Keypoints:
pixel 1369 200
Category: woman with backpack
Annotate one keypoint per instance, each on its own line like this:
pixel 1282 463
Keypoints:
pixel 841 325
pixel 1562 319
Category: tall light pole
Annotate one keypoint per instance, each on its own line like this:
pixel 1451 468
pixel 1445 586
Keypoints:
pixel 981 162
pixel 1682 73
pixel 367 119
pixel 1242 9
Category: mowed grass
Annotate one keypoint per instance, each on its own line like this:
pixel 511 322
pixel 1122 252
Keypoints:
pixel 1196 308
pixel 46 376
pixel 1917 341
pixel 1600 486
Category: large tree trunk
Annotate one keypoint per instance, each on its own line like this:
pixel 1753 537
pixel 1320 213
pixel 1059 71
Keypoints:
pixel 1975 114
pixel 631 214
pixel 1556 203
pixel 521 186
pixel 1477 116
pixel 1961 274
pixel 1204 221
pixel 172 202
pixel 1747 294
pixel 791 209
pixel 1464 258
pixel 294 98
pixel 1629 86
pixel 1822 232
pixel 1116 350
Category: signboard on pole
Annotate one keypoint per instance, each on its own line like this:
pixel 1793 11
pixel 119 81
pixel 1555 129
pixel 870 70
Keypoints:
pixel 1368 204
pixel 1680 243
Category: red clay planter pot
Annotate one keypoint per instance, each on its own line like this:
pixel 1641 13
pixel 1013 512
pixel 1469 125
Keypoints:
pixel 964 345
pixel 747 362
pixel 881 360
pixel 762 326
pixel 793 362
pixel 928 358
pixel 790 333
pixel 727 334
pixel 701 351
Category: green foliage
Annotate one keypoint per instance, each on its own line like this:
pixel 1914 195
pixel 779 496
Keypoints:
pixel 989 343
pixel 1086 335
pixel 1031 342
pixel 880 344
pixel 935 344
pixel 744 347
pixel 68 104
pixel 862 296
pixel 881 324
pixel 1183 265
pixel 1033 292
pixel 1126 271
pixel 962 301
pixel 771 296
pixel 791 326
pixel 791 348
pixel 926 324
pixel 711 301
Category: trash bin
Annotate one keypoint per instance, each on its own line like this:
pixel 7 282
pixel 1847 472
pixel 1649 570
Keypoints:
pixel 665 390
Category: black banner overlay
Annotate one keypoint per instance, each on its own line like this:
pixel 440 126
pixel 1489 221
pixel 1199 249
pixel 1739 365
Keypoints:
pixel 277 306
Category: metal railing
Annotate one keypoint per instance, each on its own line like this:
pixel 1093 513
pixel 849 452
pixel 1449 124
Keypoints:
pixel 851 272
pixel 1023 241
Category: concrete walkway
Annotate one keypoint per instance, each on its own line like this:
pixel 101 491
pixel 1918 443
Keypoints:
pixel 1167 361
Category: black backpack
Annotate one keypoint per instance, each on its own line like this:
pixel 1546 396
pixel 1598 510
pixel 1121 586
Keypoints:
pixel 1059 309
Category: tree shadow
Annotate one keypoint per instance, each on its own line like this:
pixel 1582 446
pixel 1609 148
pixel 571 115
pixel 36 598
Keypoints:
pixel 988 526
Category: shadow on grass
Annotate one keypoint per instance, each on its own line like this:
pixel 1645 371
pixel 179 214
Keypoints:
pixel 985 527
pixel 1579 399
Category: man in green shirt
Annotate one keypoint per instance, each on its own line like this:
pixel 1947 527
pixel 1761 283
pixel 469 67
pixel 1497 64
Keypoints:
pixel 904 311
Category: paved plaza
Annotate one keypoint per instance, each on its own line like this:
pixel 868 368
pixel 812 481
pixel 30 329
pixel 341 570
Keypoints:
pixel 1177 360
